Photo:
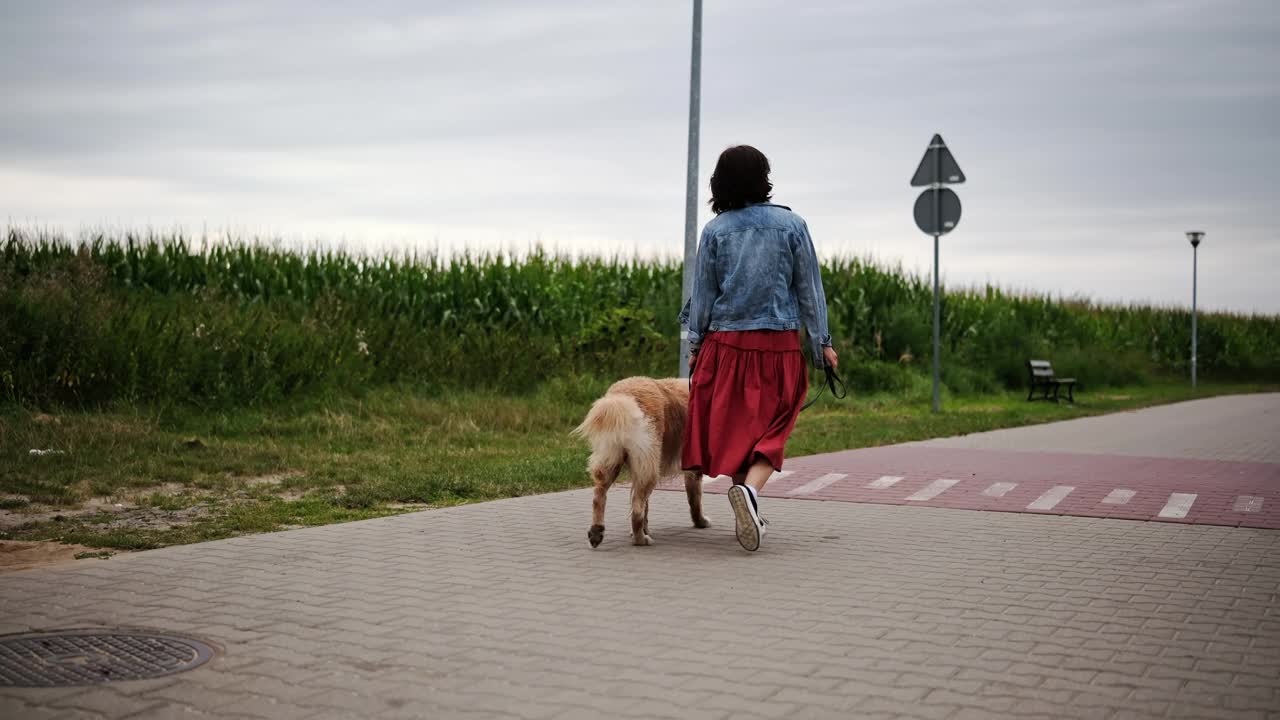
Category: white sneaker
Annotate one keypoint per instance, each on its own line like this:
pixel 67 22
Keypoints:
pixel 750 528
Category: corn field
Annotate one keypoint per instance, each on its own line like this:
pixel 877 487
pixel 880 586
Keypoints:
pixel 161 318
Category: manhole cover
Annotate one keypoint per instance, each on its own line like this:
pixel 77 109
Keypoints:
pixel 89 657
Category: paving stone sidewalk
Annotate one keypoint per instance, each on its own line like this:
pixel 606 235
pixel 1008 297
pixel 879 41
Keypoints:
pixel 1239 428
pixel 501 610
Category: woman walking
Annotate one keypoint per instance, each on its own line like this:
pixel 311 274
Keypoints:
pixel 756 282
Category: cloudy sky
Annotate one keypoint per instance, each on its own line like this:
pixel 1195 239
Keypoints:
pixel 1093 133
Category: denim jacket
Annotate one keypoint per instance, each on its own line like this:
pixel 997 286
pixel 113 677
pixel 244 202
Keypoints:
pixel 757 270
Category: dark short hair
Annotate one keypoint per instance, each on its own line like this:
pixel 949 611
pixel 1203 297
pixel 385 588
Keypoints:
pixel 741 177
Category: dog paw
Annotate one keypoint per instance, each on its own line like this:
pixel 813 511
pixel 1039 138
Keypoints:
pixel 595 535
pixel 702 522
pixel 641 539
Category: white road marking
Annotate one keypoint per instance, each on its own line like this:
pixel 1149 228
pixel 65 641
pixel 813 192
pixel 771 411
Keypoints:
pixel 884 482
pixel 1051 497
pixel 1119 496
pixel 999 489
pixel 932 490
pixel 1248 503
pixel 1178 506
pixel 814 486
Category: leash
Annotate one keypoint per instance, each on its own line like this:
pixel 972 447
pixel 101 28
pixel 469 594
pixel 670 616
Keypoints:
pixel 830 381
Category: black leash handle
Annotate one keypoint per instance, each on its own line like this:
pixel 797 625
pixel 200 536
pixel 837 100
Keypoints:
pixel 832 380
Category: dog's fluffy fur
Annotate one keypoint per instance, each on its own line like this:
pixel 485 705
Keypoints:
pixel 639 425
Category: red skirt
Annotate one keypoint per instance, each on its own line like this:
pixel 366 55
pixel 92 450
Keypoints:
pixel 746 392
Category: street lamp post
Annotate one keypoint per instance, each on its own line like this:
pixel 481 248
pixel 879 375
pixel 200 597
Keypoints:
pixel 691 178
pixel 1195 236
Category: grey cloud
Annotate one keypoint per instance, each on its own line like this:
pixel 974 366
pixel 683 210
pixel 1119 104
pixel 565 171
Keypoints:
pixel 1091 131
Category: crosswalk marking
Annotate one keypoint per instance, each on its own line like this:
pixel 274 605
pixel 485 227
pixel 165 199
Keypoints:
pixel 1178 505
pixel 1119 496
pixel 814 486
pixel 1248 503
pixel 1051 497
pixel 932 490
pixel 999 489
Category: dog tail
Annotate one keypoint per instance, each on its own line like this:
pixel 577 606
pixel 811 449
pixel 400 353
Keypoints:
pixel 611 418
pixel 620 435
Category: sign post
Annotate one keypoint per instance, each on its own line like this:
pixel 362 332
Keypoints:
pixel 937 212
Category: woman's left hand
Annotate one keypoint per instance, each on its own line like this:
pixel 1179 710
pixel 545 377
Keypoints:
pixel 829 355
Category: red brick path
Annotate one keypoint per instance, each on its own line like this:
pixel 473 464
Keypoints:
pixel 1223 490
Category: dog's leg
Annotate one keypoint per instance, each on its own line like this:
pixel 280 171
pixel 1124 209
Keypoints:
pixel 646 516
pixel 603 477
pixel 693 488
pixel 640 489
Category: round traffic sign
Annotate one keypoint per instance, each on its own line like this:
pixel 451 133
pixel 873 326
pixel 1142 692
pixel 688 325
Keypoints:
pixel 928 220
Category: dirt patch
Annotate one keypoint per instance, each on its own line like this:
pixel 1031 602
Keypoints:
pixel 145 518
pixel 155 507
pixel 169 488
pixel 127 508
pixel 106 514
pixel 15 555
pixel 408 506
pixel 10 519
pixel 271 478
pixel 272 481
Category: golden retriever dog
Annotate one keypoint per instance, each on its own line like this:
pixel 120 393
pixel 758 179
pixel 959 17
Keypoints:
pixel 639 425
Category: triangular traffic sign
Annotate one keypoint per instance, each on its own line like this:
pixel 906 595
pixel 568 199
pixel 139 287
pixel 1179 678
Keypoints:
pixel 937 166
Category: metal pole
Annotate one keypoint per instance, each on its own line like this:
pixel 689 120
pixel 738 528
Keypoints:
pixel 937 321
pixel 691 178
pixel 1195 257
pixel 937 303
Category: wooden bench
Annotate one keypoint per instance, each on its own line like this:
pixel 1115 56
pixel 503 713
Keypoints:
pixel 1042 377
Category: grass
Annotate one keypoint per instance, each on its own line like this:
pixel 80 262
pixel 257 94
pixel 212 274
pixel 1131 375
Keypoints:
pixel 192 393
pixel 186 475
